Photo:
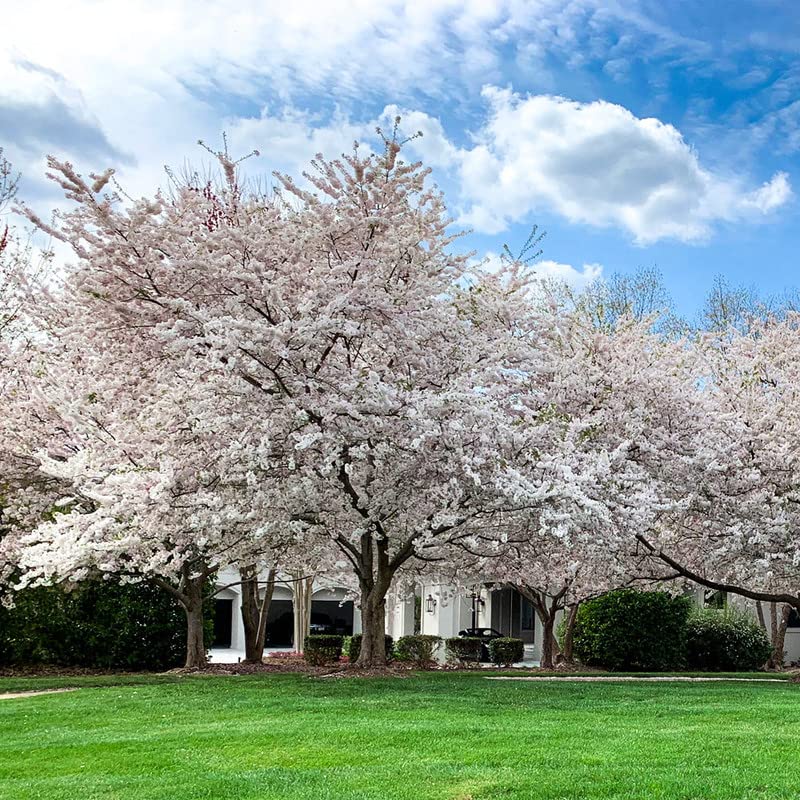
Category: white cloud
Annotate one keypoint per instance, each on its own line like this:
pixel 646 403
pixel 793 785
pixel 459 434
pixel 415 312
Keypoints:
pixel 140 82
pixel 575 278
pixel 553 271
pixel 596 163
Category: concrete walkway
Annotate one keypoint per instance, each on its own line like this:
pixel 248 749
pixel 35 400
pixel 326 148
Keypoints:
pixel 619 678
pixel 227 655
pixel 18 695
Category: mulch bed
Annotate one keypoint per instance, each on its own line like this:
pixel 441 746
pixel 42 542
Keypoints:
pixel 299 666
pixel 55 671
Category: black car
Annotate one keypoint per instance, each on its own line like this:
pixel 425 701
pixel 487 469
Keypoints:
pixel 485 635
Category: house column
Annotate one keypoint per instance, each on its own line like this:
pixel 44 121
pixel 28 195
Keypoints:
pixel 400 617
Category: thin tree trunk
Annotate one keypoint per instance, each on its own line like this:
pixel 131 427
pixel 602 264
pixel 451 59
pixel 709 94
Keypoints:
pixel 779 624
pixel 569 633
pixel 760 615
pixel 773 620
pixel 301 596
pixel 547 616
pixel 255 610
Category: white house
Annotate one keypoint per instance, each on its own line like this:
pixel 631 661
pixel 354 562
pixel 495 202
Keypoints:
pixel 435 608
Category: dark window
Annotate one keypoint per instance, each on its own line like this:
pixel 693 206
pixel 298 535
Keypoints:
pixel 330 616
pixel 794 619
pixel 527 615
pixel 713 598
pixel 280 624
pixel 223 623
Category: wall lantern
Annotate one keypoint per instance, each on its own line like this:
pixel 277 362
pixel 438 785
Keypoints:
pixel 430 604
pixel 477 601
pixel 478 604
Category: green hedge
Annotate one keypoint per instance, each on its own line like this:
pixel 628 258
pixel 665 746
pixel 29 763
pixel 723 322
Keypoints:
pixel 632 630
pixel 726 641
pixel 506 651
pixel 353 647
pixel 101 624
pixel 464 649
pixel 322 649
pixel 418 650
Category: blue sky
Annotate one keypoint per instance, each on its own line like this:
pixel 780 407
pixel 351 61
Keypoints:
pixel 635 132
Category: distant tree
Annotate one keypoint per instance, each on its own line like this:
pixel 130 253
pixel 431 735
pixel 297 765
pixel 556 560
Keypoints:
pixel 729 307
pixel 639 296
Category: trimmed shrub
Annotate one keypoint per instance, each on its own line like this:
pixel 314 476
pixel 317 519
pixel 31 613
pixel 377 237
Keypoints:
pixel 726 641
pixel 632 630
pixel 418 650
pixel 353 647
pixel 506 651
pixel 322 649
pixel 98 623
pixel 464 649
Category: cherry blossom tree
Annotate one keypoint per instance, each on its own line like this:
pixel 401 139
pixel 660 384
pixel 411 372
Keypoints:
pixel 144 434
pixel 225 376
pixel 324 362
pixel 739 532
pixel 26 495
pixel 616 401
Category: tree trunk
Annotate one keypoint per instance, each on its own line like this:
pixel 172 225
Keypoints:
pixel 569 633
pixel 189 593
pixel 779 623
pixel 301 595
pixel 549 643
pixel 196 656
pixel 255 610
pixel 373 628
pixel 760 615
pixel 547 616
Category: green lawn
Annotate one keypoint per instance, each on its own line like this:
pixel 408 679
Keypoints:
pixel 442 736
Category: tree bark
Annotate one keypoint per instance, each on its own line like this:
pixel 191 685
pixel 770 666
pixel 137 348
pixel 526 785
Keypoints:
pixel 196 655
pixel 189 593
pixel 373 628
pixel 301 595
pixel 569 633
pixel 760 615
pixel 779 624
pixel 547 614
pixel 375 570
pixel 549 643
pixel 255 610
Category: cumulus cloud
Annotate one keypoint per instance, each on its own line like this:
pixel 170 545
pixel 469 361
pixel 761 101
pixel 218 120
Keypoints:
pixel 574 277
pixel 577 278
pixel 196 68
pixel 598 164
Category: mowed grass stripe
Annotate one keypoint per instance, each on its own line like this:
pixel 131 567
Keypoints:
pixel 438 736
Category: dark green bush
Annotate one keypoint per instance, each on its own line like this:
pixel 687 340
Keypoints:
pixel 322 649
pixel 726 641
pixel 506 651
pixel 99 623
pixel 464 649
pixel 353 647
pixel 418 650
pixel 631 630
